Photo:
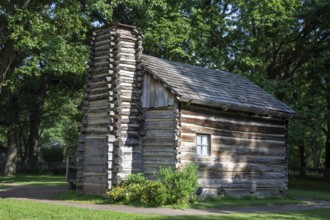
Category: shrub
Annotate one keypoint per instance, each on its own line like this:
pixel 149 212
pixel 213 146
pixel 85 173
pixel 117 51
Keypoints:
pixel 116 195
pixel 172 187
pixel 155 194
pixel 138 178
pixel 181 185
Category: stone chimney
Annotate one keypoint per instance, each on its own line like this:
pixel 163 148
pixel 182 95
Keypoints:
pixel 110 146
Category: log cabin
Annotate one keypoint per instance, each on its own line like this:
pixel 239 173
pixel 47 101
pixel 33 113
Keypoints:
pixel 142 113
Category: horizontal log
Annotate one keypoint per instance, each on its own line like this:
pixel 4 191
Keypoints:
pixel 110 52
pixel 230 126
pixel 241 175
pixel 126 50
pixel 94 188
pixel 241 151
pixel 269 160
pixel 94 177
pixel 221 118
pixel 160 133
pixel 159 124
pixel 98 97
pixel 151 140
pixel 130 38
pixel 228 172
pixel 100 84
pixel 101 37
pixel 103 57
pixel 160 113
pixel 95 137
pixel 168 154
pixel 100 91
pixel 106 40
pixel 237 166
pixel 104 46
pixel 191 133
pixel 161 161
pixel 107 31
pixel 127 73
pixel 162 144
pixel 94 160
pixel 126 57
pixel 250 143
pixel 101 64
pixel 96 115
pixel 200 110
pixel 96 129
pixel 242 182
pixel 95 168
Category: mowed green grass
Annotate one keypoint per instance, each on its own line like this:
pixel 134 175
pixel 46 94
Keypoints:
pixel 309 188
pixel 20 209
pixel 40 179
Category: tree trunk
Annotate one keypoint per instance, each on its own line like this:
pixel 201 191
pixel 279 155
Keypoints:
pixel 315 152
pixel 11 156
pixel 7 56
pixel 303 164
pixel 35 114
pixel 327 144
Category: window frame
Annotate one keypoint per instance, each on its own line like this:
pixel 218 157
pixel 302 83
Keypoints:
pixel 201 145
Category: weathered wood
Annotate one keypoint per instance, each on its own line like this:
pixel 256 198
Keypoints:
pixel 235 127
pixel 200 110
pixel 242 148
pixel 159 148
pixel 186 134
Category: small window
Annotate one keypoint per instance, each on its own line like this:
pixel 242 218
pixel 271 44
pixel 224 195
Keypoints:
pixel 203 144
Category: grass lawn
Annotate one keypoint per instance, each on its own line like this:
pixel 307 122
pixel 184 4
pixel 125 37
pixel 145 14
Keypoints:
pixel 20 209
pixel 72 196
pixel 309 188
pixel 40 179
pixel 214 203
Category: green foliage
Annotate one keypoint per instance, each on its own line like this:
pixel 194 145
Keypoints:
pixel 181 185
pixel 172 188
pixel 52 154
pixel 154 194
pixel 136 189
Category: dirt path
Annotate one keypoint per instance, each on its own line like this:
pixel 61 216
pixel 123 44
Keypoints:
pixel 47 194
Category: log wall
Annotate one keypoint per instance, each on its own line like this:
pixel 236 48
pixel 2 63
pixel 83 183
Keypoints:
pixel 109 145
pixel 159 141
pixel 248 154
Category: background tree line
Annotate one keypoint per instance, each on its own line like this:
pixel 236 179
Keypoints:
pixel 282 45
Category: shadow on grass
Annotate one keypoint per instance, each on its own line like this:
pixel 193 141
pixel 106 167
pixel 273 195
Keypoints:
pixel 71 195
pixel 224 202
pixel 28 179
pixel 309 188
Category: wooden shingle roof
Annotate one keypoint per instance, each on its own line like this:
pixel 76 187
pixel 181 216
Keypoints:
pixel 217 88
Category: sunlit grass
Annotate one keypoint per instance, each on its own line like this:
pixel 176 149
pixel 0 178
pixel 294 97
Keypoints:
pixel 20 209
